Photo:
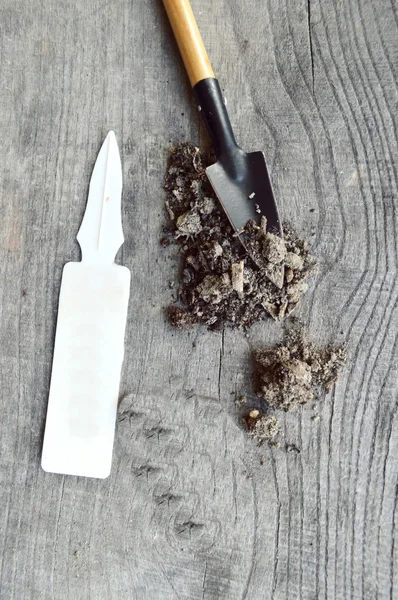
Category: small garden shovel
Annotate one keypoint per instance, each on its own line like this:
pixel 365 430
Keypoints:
pixel 239 179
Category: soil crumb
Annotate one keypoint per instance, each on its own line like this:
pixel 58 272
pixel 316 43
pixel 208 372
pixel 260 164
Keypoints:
pixel 291 373
pixel 219 281
pixel 264 428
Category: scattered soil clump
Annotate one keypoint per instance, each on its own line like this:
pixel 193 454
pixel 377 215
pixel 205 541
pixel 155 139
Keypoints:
pixel 291 373
pixel 219 281
pixel 264 428
pixel 179 317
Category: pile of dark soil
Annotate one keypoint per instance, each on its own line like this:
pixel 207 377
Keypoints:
pixel 291 373
pixel 219 281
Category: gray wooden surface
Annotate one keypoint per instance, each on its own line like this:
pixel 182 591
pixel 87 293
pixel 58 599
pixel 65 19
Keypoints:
pixel 189 512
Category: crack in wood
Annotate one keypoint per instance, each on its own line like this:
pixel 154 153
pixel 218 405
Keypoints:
pixel 311 45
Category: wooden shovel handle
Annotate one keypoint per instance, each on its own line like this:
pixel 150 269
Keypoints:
pixel 189 40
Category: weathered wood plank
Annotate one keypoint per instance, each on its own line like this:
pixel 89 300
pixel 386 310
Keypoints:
pixel 189 512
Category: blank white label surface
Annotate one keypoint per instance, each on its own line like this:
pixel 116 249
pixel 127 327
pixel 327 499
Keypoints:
pixel 88 357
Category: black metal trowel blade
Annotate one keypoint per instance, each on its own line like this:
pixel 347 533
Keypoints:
pixel 243 187
pixel 239 179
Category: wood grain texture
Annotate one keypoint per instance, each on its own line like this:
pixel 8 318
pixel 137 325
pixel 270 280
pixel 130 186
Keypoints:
pixel 189 512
